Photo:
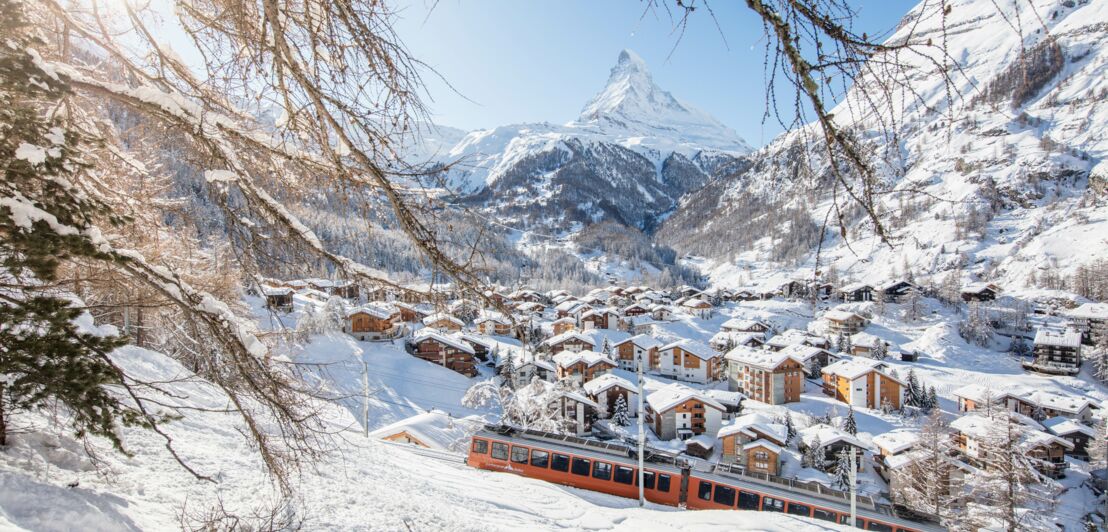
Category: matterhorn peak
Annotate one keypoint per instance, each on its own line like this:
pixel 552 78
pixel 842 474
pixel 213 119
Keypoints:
pixel 631 104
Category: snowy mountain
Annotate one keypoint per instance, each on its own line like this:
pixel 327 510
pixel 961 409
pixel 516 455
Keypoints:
pixel 634 151
pixel 1003 167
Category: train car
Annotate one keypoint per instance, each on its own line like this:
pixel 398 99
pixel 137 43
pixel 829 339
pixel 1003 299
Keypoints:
pixel 612 468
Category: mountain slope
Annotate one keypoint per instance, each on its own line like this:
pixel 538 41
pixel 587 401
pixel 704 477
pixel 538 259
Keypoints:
pixel 1004 184
pixel 634 151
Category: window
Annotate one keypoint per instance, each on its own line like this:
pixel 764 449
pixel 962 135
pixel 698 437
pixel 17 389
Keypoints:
pixel 705 491
pixel 539 458
pixel 724 495
pixel 560 463
pixel 648 479
pixel 602 470
pixel 761 455
pixel 769 504
pixel 823 515
pixel 581 467
pixel 858 523
pixel 748 501
pixel 663 483
pixel 625 475
pixel 798 509
pixel 499 450
pixel 480 446
pixel 519 454
pixel 879 527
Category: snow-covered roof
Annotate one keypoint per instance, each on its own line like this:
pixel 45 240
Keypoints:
pixel 568 305
pixel 1065 338
pixel 644 341
pixel 702 440
pixel 802 352
pixel 590 358
pixel 829 435
pixel 854 287
pixel 696 302
pixel 841 315
pixel 1062 426
pixel 1071 404
pixel 855 367
pixel 606 382
pixel 755 425
pixel 896 441
pixel 1090 310
pixel 380 312
pixel 977 288
pixel 597 312
pixel 692 347
pixel 722 338
pixel 864 339
pixel 494 317
pixel 569 335
pixel 442 316
pixel 674 394
pixel 457 341
pixel 978 393
pixel 743 325
pixel 761 358
pixel 435 429
pixel 764 443
pixel 726 397
pixel 980 427
pixel 276 291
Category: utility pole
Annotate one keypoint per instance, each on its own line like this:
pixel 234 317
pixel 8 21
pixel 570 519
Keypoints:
pixel 365 396
pixel 853 489
pixel 642 435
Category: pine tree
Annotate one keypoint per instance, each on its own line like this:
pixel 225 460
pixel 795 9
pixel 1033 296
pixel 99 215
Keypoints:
pixel 850 426
pixel 844 343
pixel 840 474
pixel 932 402
pixel 1018 346
pixel 913 393
pixel 913 304
pixel 620 417
pixel 45 358
pixel 813 454
pixel 880 350
pixel 790 430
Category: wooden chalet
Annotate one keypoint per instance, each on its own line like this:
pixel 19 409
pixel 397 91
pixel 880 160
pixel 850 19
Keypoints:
pixel 450 351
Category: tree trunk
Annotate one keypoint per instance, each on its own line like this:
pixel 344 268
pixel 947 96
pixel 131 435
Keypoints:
pixel 3 420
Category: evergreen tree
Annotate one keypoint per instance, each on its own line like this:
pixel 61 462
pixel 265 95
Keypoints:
pixel 913 394
pixel 45 359
pixel 620 416
pixel 790 429
pixel 813 454
pixel 850 426
pixel 880 350
pixel 1018 346
pixel 840 473
pixel 932 402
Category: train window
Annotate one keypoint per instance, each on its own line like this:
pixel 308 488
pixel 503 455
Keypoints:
pixel 519 454
pixel 663 483
pixel 602 470
pixel 499 450
pixel 580 467
pixel 823 515
pixel 879 527
pixel 648 480
pixel 624 475
pixel 798 509
pixel 560 463
pixel 724 495
pixel 769 504
pixel 539 458
pixel 480 446
pixel 748 501
pixel 705 491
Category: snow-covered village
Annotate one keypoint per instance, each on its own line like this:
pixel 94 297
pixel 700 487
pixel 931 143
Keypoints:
pixel 645 265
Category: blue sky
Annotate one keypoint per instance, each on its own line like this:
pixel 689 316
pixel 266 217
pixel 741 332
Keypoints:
pixel 528 61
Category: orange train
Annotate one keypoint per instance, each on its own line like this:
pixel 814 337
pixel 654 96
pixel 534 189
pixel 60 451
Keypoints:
pixel 613 469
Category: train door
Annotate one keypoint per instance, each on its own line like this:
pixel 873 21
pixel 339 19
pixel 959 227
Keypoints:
pixel 683 496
